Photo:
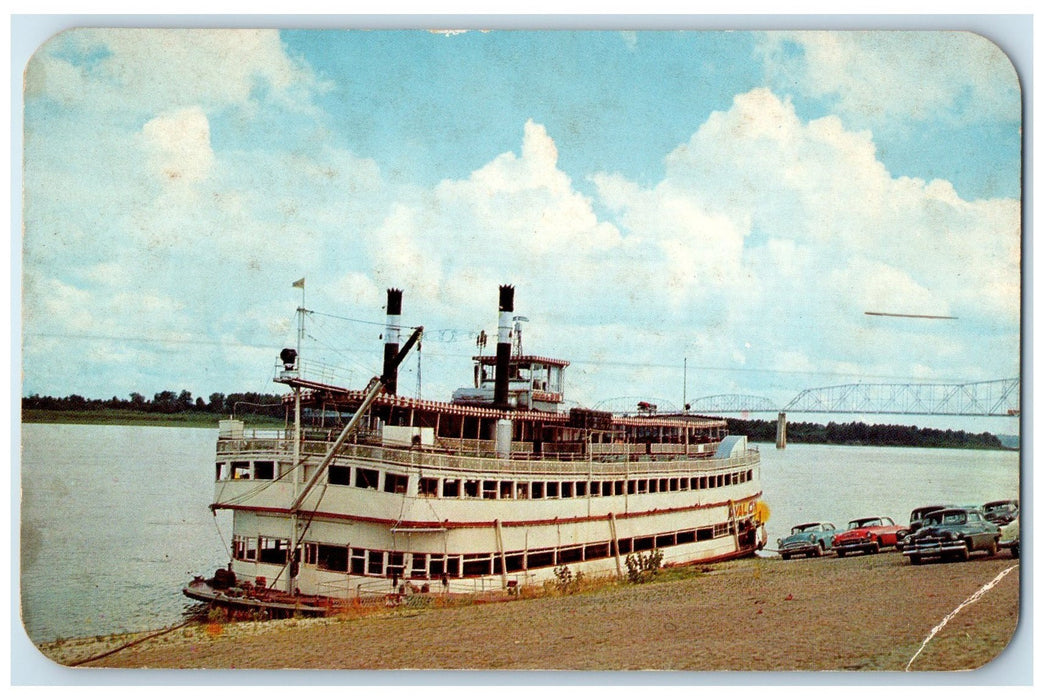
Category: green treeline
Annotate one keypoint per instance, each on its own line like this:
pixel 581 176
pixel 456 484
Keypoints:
pixel 863 434
pixel 163 404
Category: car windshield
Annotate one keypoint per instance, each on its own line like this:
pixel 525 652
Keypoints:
pixel 865 522
pixel 807 527
pixel 947 517
pixel 1000 508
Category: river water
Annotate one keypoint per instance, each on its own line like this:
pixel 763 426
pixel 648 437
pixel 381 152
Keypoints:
pixel 115 519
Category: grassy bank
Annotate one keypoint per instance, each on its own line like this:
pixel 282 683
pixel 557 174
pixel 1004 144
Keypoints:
pixel 187 419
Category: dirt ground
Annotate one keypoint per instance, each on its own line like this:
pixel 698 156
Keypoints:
pixel 858 613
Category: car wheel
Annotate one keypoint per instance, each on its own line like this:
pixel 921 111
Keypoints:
pixel 875 547
pixel 840 553
pixel 899 537
pixel 819 549
pixel 992 549
pixel 1015 551
pixel 915 559
pixel 962 554
pixel 785 556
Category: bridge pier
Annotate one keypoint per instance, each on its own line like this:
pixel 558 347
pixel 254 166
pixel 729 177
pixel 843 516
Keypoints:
pixel 781 431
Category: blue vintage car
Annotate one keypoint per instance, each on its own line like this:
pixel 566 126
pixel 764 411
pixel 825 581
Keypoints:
pixel 952 533
pixel 810 539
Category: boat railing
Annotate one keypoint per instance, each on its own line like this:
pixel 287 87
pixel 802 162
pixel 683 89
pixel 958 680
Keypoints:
pixel 427 458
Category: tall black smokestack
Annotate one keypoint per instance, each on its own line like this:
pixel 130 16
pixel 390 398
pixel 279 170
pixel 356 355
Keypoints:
pixel 391 340
pixel 507 308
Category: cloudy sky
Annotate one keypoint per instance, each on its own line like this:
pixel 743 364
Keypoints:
pixel 730 201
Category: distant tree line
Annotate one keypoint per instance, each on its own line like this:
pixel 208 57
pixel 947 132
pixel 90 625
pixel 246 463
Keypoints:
pixel 167 402
pixel 863 434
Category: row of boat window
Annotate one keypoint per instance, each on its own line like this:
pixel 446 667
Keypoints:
pixel 433 487
pixel 415 565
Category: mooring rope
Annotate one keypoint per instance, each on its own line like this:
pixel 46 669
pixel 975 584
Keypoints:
pixel 971 599
pixel 131 643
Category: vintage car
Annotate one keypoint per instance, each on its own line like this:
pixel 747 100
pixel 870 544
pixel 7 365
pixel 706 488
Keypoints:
pixel 952 533
pixel 1009 536
pixel 810 539
pixel 1001 512
pixel 867 535
pixel 916 519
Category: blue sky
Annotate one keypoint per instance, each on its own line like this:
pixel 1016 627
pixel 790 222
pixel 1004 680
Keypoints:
pixel 739 199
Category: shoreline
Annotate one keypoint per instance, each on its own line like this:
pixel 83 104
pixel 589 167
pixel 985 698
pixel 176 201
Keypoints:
pixel 757 614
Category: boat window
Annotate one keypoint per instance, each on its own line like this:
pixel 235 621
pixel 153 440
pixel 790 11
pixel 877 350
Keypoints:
pixel 665 540
pixel 489 489
pixel 507 489
pixel 643 486
pixel 673 486
pixel 375 563
pixel 436 564
pixel 653 486
pixel 477 565
pixel 552 489
pixel 686 536
pixel 632 486
pixel 395 483
pixel 596 489
pixel 240 470
pixel 567 489
pixel 596 551
pixel 514 562
pixel 568 555
pixel 357 565
pixel 683 483
pixel 428 487
pixel 704 534
pixel 453 566
pixel 221 471
pixel 664 485
pixel 310 550
pixel 625 545
pixel 541 558
pixel 471 488
pixel 721 529
pixel 332 557
pixel 340 476
pixel 521 490
pixel 538 489
pixel 273 551
pixel 244 548
pixel 451 488
pixel 396 564
pixel 618 487
pixel 264 469
pixel 366 478
pixel 643 543
pixel 581 488
pixel 419 566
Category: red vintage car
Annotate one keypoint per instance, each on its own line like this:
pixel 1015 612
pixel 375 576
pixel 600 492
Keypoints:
pixel 868 535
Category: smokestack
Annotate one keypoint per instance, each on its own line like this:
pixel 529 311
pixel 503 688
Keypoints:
pixel 391 339
pixel 507 308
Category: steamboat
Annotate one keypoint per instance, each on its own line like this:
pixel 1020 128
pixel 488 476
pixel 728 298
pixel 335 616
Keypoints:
pixel 368 493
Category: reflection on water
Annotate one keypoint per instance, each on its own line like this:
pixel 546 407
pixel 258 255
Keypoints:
pixel 115 518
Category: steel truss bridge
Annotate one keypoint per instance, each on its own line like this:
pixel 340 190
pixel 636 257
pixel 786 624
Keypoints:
pixel 998 397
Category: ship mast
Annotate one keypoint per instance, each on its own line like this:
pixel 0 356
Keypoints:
pixel 298 467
